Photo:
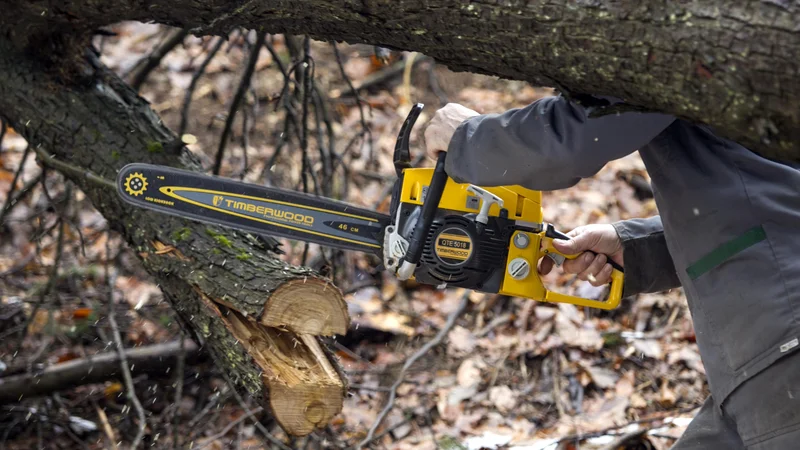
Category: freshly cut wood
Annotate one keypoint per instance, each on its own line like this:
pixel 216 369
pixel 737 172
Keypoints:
pixel 308 306
pixel 305 391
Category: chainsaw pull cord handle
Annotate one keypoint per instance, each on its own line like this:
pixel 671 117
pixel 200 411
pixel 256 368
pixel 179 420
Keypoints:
pixel 430 204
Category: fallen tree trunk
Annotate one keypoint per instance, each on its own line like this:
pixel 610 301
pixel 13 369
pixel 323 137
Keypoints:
pixel 258 316
pixel 96 369
pixel 731 65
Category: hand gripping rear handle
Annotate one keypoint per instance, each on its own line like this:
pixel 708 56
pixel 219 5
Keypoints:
pixel 617 277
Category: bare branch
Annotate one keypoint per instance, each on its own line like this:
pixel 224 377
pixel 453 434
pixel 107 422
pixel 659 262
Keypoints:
pixel 359 100
pixel 51 282
pixel 17 174
pixel 187 99
pixel 244 84
pixel 75 171
pixel 92 369
pixel 147 64
pixel 123 358
pixel 18 196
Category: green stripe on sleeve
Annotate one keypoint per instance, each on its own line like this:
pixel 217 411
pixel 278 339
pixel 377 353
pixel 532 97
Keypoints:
pixel 723 252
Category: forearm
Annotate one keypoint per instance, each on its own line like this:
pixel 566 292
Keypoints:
pixel 547 145
pixel 648 263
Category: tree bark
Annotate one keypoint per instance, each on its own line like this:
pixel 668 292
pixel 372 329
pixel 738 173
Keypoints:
pixel 258 316
pixel 733 66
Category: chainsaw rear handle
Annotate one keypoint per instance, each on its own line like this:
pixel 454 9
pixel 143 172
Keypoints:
pixel 612 302
pixel 617 277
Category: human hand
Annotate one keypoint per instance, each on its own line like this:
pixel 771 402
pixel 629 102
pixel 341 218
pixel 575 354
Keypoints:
pixel 440 129
pixel 599 238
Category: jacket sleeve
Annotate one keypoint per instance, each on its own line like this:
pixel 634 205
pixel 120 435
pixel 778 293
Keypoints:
pixel 648 263
pixel 550 144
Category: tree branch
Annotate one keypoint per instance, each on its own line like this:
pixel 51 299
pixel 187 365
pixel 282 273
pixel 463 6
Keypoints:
pixel 693 60
pixel 94 369
pixel 244 85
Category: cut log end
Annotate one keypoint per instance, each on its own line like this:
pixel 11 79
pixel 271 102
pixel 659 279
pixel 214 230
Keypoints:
pixel 307 306
pixel 301 409
pixel 305 390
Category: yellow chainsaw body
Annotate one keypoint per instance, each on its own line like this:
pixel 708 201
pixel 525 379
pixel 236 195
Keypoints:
pixel 524 207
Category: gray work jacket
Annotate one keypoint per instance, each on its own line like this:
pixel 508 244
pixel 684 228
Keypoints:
pixel 729 223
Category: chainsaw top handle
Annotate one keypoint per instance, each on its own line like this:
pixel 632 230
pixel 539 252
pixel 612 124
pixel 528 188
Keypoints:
pixel 402 154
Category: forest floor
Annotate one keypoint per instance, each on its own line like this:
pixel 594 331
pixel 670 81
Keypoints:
pixel 512 373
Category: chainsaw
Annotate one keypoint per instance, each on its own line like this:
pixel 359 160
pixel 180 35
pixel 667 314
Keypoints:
pixel 438 232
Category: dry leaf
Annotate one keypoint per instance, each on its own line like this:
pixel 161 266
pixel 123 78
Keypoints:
pixel 460 342
pixel 469 372
pixel 650 348
pixel 585 338
pixel 503 398
pixel 637 401
pixel 667 395
pixel 624 386
pixel 602 377
pixel 688 356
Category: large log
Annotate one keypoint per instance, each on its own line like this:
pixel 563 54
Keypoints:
pixel 259 317
pixel 733 65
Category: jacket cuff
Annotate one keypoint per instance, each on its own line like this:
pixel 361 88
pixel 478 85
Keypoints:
pixel 648 263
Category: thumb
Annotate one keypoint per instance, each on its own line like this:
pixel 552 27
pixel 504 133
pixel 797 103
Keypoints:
pixel 575 244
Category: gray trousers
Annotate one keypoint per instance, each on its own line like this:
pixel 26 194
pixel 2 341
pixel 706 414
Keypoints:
pixel 761 414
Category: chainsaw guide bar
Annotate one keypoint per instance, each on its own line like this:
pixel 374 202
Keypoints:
pixel 253 208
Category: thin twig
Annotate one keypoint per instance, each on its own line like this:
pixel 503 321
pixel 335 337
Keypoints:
pixel 307 76
pixel 107 427
pixel 123 358
pixel 75 171
pixel 17 174
pixel 451 321
pixel 359 100
pixel 291 121
pixel 148 63
pixel 244 84
pixel 179 374
pixel 51 282
pixel 230 426
pixel 187 98
pixel 3 125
